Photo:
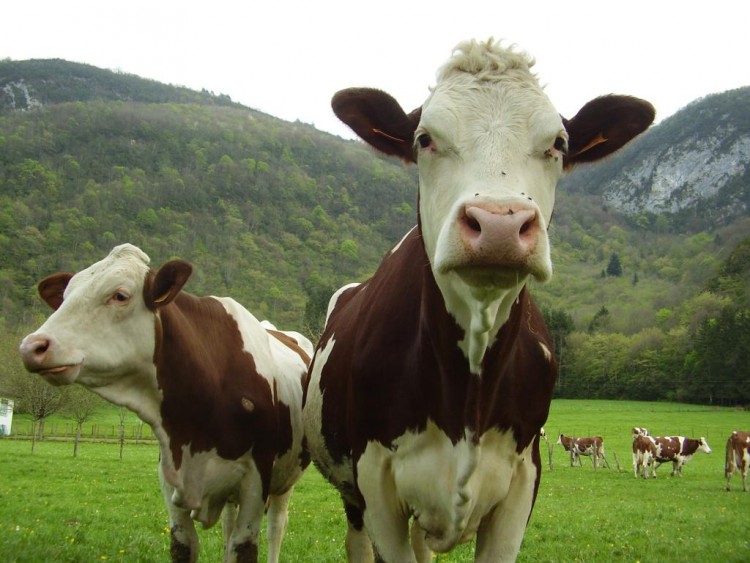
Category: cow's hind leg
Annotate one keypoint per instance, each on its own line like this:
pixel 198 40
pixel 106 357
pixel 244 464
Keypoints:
pixel 278 508
pixel 243 544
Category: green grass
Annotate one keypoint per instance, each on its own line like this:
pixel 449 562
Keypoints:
pixel 97 507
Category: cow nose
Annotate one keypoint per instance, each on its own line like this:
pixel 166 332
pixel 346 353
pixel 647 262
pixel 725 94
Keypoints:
pixel 34 350
pixel 500 234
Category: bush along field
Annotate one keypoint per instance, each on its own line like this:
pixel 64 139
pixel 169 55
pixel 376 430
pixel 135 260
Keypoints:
pixel 98 507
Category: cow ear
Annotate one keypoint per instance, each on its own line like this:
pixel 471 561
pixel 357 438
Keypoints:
pixel 378 119
pixel 604 125
pixel 52 288
pixel 167 283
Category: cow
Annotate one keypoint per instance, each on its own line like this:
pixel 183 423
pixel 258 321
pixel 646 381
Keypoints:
pixel 644 450
pixel 737 457
pixel 676 449
pixel 222 392
pixel 577 447
pixel 432 379
pixel 639 431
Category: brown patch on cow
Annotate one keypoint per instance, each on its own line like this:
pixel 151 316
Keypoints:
pixel 178 551
pixel 246 552
pixel 420 373
pixel 202 370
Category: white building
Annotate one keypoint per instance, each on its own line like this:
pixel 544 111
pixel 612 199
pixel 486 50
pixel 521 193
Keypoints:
pixel 6 416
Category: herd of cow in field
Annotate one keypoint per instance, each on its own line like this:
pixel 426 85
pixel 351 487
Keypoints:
pixel 423 400
pixel 649 452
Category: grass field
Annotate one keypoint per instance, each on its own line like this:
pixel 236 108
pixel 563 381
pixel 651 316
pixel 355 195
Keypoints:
pixel 97 507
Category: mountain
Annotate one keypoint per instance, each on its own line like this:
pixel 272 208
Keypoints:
pixel 39 82
pixel 694 167
pixel 649 247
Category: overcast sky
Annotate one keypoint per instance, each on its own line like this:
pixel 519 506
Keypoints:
pixel 287 58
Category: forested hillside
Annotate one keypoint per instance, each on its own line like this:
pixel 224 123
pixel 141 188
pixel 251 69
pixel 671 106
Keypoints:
pixel 278 215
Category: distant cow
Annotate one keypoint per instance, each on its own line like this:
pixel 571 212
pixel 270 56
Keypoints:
pixel 432 379
pixel 222 393
pixel 738 457
pixel 577 447
pixel 676 449
pixel 639 431
pixel 644 450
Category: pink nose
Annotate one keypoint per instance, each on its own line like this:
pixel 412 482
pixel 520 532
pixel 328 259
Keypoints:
pixel 499 235
pixel 34 350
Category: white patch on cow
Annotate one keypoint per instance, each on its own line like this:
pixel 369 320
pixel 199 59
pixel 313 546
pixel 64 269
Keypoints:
pixel 546 351
pixel 488 150
pixel 399 243
pixel 301 340
pixel 313 421
pixel 335 297
pixel 468 483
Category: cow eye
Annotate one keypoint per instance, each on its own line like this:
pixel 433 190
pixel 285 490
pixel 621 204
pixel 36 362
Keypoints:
pixel 119 297
pixel 424 140
pixel 561 145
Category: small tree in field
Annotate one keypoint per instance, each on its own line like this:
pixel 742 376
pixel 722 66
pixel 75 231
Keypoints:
pixel 80 406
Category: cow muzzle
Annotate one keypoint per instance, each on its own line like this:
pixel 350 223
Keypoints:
pixel 499 244
pixel 38 356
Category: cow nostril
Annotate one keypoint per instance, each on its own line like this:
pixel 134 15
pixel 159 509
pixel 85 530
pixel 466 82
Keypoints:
pixel 527 226
pixel 473 224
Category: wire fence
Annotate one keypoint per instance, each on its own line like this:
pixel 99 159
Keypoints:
pixel 92 432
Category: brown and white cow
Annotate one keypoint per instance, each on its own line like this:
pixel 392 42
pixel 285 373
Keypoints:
pixel 738 457
pixel 644 450
pixel 676 449
pixel 589 446
pixel 222 393
pixel 432 379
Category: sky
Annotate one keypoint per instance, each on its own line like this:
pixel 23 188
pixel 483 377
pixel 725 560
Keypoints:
pixel 287 58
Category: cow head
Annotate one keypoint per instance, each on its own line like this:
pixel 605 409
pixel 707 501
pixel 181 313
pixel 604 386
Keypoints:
pixel 490 148
pixel 703 446
pixel 103 326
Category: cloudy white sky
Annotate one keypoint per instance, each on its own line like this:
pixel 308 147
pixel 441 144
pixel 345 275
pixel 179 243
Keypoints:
pixel 287 58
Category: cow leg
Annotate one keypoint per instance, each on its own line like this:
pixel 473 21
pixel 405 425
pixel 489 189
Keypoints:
pixel 278 509
pixel 243 543
pixel 228 520
pixel 358 544
pixel 501 532
pixel 184 543
pixel 418 544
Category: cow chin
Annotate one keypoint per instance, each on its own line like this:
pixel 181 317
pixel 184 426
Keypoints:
pixel 487 277
pixel 62 375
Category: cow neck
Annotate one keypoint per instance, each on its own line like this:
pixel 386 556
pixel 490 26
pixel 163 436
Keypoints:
pixel 480 312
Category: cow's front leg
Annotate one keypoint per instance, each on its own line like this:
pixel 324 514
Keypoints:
pixel 501 531
pixel 384 517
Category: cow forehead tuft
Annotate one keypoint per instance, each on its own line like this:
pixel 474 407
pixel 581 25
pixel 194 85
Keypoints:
pixel 128 251
pixel 124 261
pixel 484 59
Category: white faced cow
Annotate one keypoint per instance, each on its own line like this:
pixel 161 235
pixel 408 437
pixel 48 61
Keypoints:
pixel 222 393
pixel 737 457
pixel 432 379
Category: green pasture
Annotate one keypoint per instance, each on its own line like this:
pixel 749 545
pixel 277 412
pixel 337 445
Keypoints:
pixel 98 507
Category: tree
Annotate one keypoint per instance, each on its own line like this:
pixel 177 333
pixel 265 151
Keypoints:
pixel 37 398
pixel 81 404
pixel 614 268
pixel 601 321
